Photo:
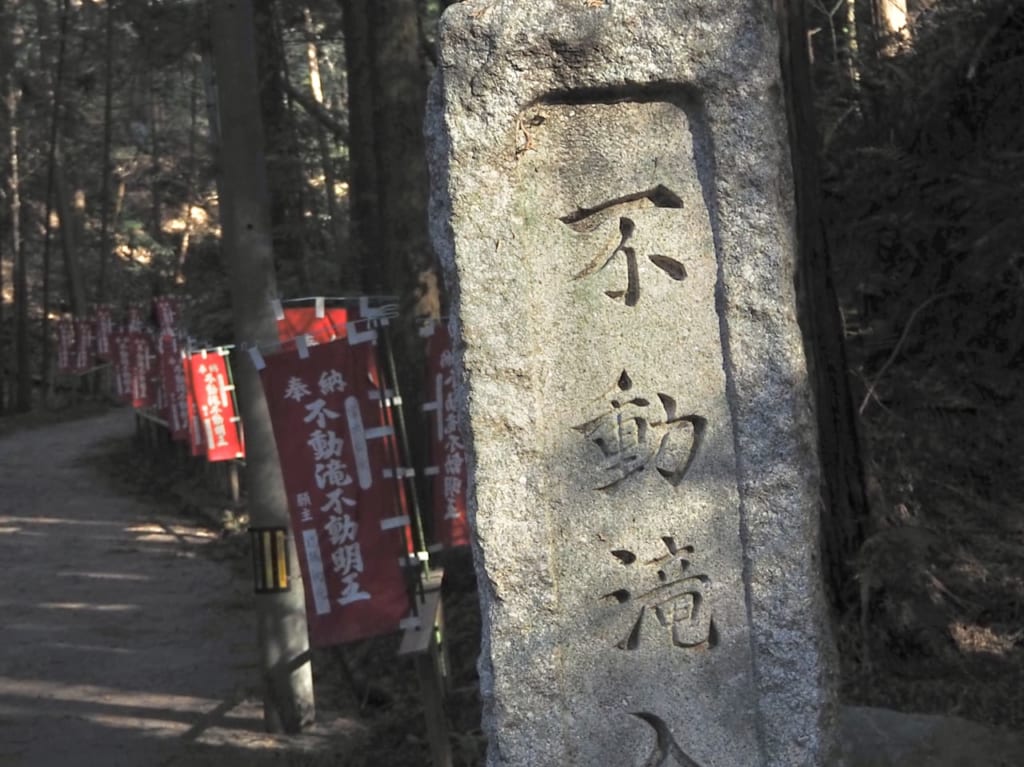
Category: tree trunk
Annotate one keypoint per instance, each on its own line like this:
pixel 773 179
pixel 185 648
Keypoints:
pixel 108 99
pixel 9 29
pixel 400 87
pixel 248 250
pixel 844 507
pixel 387 88
pixel 364 206
pixel 9 189
pixel 335 237
pixel 284 156
pixel 387 93
pixel 23 387
pixel 70 239
pixel 51 178
pixel 891 23
pixel 186 236
pixel 156 229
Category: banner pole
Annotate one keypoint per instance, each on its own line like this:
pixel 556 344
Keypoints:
pixel 403 437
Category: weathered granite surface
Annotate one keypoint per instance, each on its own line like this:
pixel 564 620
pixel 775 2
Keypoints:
pixel 611 200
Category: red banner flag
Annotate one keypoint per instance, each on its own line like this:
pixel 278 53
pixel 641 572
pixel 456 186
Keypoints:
pixel 121 361
pixel 167 312
pixel 172 376
pixel 135 323
pixel 83 345
pixel 302 320
pixel 215 402
pixel 141 361
pixel 131 360
pixel 447 453
pixel 344 498
pixel 104 324
pixel 197 445
pixel 65 345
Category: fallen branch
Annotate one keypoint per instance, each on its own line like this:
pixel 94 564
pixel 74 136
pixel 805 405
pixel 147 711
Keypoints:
pixel 318 112
pixel 899 345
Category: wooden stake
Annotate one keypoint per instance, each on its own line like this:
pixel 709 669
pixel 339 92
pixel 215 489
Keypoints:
pixel 425 645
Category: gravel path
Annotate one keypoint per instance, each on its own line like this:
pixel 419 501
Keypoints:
pixel 121 642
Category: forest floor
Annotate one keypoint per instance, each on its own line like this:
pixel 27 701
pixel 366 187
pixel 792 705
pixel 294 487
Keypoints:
pixel 938 625
pixel 924 236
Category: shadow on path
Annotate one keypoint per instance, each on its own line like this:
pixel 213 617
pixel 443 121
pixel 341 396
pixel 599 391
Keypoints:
pixel 122 643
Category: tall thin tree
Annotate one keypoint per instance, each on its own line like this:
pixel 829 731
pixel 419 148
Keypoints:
pixel 248 251
pixel 9 189
pixel 108 110
pixel 284 153
pixel 324 144
pixel 51 179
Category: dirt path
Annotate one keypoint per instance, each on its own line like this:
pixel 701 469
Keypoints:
pixel 121 642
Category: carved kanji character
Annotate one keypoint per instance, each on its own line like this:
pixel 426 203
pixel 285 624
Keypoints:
pixel 677 601
pixel 631 295
pixel 640 431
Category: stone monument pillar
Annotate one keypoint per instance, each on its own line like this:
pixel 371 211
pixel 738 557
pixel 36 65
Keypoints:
pixel 611 200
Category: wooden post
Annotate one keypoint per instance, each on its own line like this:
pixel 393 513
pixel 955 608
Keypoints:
pixel 234 487
pixel 425 644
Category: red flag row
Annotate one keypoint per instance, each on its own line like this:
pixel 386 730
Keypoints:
pixel 192 392
pixel 81 341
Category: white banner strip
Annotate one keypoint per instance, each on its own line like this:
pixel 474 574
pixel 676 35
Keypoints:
pixel 257 358
pixel 321 600
pixel 356 336
pixel 393 522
